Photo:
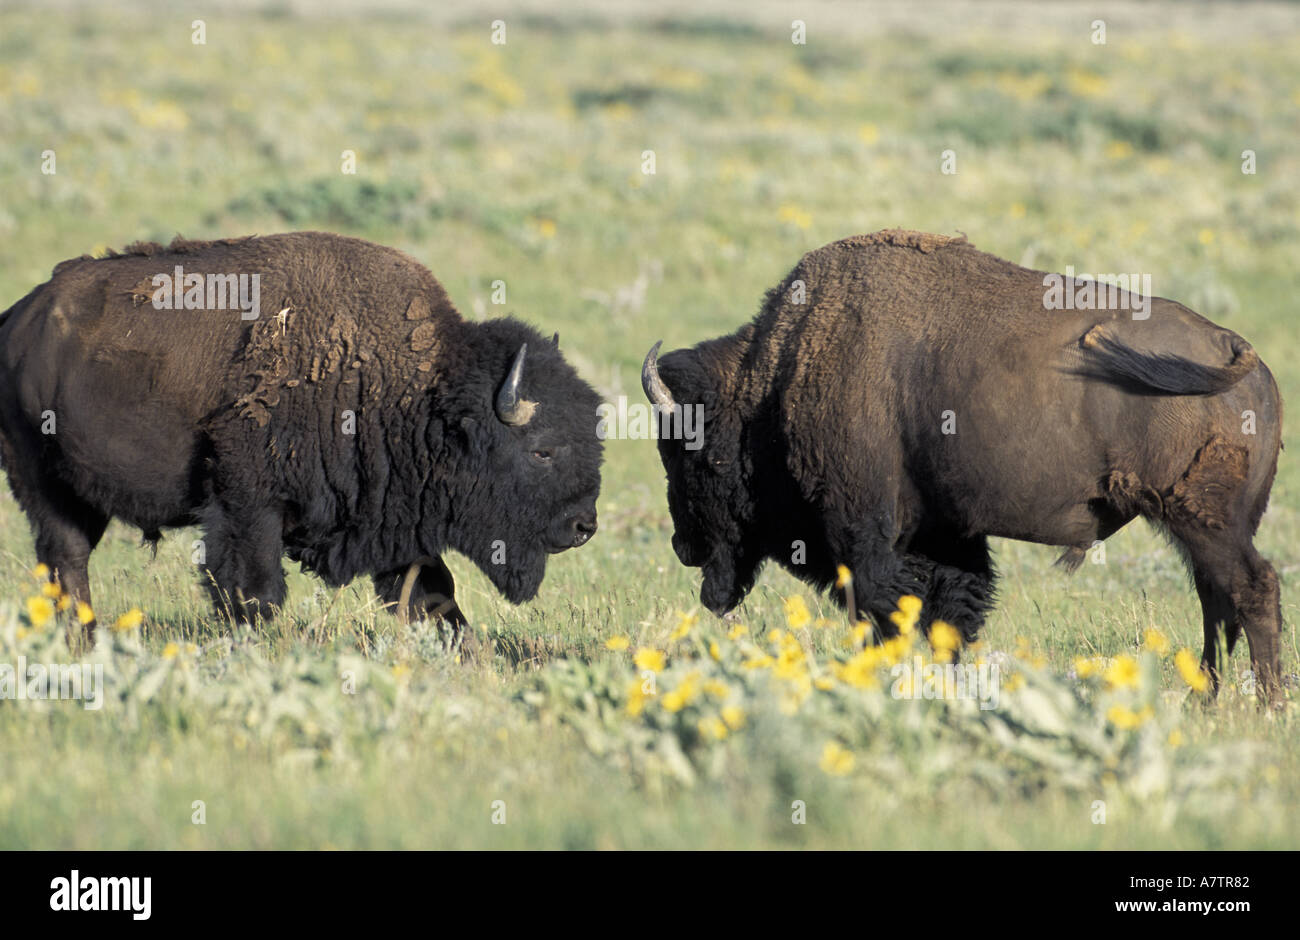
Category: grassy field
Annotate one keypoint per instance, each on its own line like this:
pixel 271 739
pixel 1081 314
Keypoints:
pixel 334 727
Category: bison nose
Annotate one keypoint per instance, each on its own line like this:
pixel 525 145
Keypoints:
pixel 584 527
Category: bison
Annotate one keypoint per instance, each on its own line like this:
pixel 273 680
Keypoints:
pixel 302 394
pixel 901 397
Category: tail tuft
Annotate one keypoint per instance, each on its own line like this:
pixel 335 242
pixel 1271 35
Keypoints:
pixel 1162 373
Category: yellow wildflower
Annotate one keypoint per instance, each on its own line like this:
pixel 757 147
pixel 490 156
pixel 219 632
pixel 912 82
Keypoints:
pixel 717 688
pixel 683 626
pixel 170 651
pixel 1156 642
pixel 1191 670
pixel 944 636
pixel 1125 718
pixel 736 632
pixel 843 577
pixel 129 620
pixel 636 698
pixel 895 649
pixel 795 216
pixel 734 716
pixel 616 643
pixel 84 613
pixel 39 610
pixel 796 612
pixel 1086 668
pixel 648 658
pixel 1122 672
pixel 712 727
pixel 836 760
pixel 909 611
pixel 684 694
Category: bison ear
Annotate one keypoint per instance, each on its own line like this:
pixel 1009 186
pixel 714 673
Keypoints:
pixel 555 340
pixel 509 407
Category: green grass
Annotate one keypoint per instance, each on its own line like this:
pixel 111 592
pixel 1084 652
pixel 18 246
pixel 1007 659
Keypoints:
pixel 523 163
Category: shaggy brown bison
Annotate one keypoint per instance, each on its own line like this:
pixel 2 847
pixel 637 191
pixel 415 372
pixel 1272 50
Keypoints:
pixel 302 394
pixel 901 397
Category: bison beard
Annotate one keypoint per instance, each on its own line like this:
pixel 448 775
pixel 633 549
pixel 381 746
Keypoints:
pixel 364 429
pixel 901 397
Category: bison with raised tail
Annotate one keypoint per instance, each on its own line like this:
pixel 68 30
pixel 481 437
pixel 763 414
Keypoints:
pixel 305 395
pixel 901 397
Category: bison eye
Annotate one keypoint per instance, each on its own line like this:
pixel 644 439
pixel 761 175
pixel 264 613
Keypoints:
pixel 543 456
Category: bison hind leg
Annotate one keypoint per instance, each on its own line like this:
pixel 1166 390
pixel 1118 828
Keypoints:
pixel 65 526
pixel 242 552
pixel 1211 512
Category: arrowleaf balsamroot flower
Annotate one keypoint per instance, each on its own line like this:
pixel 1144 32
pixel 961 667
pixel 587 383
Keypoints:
pixel 683 626
pixel 843 577
pixel 636 698
pixel 1122 673
pixel 1125 718
pixel 945 639
pixel 616 643
pixel 1156 642
pixel 796 612
pixel 1191 670
pixel 734 716
pixel 836 760
pixel 648 658
pixel 39 610
pixel 129 620
pixel 909 611
pixel 1086 668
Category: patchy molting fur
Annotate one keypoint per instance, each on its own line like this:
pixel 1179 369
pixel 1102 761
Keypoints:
pixel 169 418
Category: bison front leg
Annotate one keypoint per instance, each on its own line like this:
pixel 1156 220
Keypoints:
pixel 421 591
pixel 880 577
pixel 961 581
pixel 242 566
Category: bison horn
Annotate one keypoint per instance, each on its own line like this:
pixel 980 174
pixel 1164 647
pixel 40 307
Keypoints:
pixel 510 409
pixel 655 389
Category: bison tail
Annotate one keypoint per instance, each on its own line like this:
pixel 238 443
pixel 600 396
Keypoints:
pixel 1164 373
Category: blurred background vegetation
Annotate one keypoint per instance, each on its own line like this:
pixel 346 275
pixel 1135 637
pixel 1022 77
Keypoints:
pixel 523 162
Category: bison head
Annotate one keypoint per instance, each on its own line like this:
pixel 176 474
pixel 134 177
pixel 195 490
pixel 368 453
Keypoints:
pixel 710 495
pixel 528 457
